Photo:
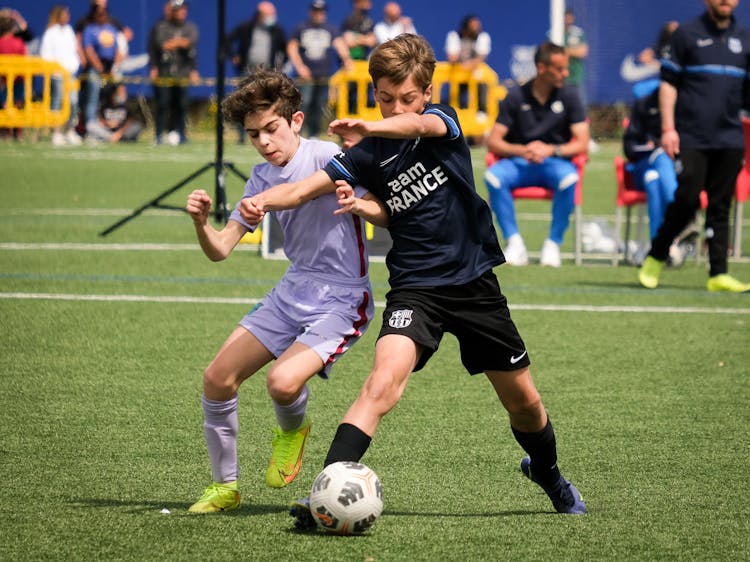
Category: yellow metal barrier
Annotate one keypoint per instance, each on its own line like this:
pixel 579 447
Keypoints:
pixel 357 78
pixel 460 86
pixel 455 78
pixel 33 113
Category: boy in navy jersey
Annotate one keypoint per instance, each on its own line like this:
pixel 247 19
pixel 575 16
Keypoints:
pixel 417 163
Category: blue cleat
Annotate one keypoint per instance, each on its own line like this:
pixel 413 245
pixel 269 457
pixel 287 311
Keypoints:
pixel 303 518
pixel 565 497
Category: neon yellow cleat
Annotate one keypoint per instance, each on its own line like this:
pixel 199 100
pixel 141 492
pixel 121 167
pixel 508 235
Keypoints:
pixel 727 284
pixel 286 459
pixel 217 497
pixel 648 275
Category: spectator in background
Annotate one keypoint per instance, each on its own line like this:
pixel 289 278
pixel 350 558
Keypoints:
pixel 258 41
pixel 255 42
pixel 703 89
pixel 21 28
pixel 469 46
pixel 541 126
pixel 651 55
pixel 91 85
pixel 173 61
pixel 115 122
pixel 59 44
pixel 312 50
pixel 123 30
pixel 650 58
pixel 393 23
pixel 652 169
pixel 11 44
pixel 357 30
pixel 577 50
pixel 102 55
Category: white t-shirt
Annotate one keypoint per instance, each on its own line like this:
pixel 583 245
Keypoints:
pixel 385 31
pixel 59 44
pixel 466 48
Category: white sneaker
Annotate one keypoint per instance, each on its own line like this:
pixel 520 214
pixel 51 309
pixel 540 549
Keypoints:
pixel 72 137
pixel 58 139
pixel 515 251
pixel 550 254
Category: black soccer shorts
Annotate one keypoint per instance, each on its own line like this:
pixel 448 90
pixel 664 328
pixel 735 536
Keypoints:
pixel 476 313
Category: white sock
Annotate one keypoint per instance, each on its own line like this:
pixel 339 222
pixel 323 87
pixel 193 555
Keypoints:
pixel 291 416
pixel 220 427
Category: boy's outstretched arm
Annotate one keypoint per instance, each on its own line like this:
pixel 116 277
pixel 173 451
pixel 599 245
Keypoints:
pixel 286 196
pixel 217 245
pixel 368 207
pixel 403 126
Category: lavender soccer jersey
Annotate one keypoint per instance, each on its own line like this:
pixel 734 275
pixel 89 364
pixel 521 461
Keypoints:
pixel 315 240
pixel 324 300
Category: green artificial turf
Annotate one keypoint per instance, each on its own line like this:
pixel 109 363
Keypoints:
pixel 100 396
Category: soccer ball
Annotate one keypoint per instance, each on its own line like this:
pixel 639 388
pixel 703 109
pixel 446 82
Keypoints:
pixel 346 498
pixel 173 138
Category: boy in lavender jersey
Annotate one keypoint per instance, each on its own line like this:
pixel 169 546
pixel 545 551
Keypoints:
pixel 321 306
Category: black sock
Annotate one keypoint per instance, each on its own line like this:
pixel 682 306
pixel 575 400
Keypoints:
pixel 542 449
pixel 349 444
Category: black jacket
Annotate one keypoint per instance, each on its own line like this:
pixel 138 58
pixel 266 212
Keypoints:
pixel 241 37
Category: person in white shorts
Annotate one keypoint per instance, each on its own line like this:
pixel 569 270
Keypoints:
pixel 321 306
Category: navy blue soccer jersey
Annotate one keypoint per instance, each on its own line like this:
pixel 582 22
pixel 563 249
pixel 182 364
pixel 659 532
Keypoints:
pixel 528 120
pixel 442 231
pixel 709 67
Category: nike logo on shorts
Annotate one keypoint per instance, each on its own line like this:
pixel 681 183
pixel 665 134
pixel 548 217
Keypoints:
pixel 514 360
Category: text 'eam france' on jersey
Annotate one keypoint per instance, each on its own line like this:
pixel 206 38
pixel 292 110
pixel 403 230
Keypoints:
pixel 316 241
pixel 441 229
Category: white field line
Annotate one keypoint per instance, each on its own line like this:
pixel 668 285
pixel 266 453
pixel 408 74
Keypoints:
pixel 380 304
pixel 524 216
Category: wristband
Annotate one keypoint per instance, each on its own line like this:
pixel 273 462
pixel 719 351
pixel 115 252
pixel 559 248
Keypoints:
pixel 556 151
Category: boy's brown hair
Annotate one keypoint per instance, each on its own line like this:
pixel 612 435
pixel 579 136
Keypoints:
pixel 403 56
pixel 261 90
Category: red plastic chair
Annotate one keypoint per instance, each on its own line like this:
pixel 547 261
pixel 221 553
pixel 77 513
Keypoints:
pixel 627 198
pixel 543 193
pixel 741 192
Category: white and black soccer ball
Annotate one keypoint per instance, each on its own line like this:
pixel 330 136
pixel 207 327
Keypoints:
pixel 346 498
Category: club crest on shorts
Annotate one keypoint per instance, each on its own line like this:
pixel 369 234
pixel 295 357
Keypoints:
pixel 400 318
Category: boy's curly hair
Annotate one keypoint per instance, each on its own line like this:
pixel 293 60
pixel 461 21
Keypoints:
pixel 259 91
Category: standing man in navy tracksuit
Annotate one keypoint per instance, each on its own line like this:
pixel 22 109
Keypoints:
pixel 704 82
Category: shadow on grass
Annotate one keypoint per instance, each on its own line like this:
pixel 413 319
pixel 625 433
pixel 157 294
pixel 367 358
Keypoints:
pixel 252 510
pixel 176 508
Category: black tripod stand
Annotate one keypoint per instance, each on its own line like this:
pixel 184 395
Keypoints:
pixel 219 165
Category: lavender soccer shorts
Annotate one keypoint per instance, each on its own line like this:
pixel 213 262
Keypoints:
pixel 329 318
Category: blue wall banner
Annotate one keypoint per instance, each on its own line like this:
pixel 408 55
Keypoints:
pixel 616 30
